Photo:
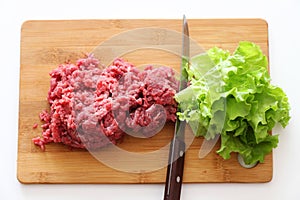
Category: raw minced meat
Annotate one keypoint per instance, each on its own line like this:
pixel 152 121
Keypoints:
pixel 35 125
pixel 92 107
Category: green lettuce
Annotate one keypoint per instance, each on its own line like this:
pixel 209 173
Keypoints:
pixel 231 95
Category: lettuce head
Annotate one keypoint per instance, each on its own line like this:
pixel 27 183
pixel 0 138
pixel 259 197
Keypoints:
pixel 231 95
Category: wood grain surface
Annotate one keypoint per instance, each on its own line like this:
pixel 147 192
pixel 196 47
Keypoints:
pixel 46 44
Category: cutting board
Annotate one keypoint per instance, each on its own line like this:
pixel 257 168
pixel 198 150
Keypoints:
pixel 46 44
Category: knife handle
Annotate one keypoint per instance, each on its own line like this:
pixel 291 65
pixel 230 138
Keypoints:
pixel 175 170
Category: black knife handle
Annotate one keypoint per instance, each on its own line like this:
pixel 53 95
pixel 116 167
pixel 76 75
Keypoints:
pixel 175 170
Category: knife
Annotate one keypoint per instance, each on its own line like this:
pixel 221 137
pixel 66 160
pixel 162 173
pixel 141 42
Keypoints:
pixel 177 148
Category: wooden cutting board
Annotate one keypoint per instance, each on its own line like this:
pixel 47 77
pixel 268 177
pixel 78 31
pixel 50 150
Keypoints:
pixel 46 44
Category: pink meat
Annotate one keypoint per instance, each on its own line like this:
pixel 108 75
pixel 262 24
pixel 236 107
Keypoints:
pixel 90 107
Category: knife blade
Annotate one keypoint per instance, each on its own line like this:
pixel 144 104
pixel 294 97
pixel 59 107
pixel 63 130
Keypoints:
pixel 175 167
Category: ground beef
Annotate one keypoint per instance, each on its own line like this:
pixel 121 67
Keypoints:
pixel 143 101
pixel 35 125
pixel 90 107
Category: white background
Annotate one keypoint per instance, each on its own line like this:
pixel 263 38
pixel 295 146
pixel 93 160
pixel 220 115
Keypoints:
pixel 283 18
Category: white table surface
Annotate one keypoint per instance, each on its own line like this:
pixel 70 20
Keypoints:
pixel 283 18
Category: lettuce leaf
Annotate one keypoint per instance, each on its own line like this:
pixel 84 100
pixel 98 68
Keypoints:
pixel 231 95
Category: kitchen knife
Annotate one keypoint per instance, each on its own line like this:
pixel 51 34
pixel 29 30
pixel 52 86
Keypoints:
pixel 177 148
